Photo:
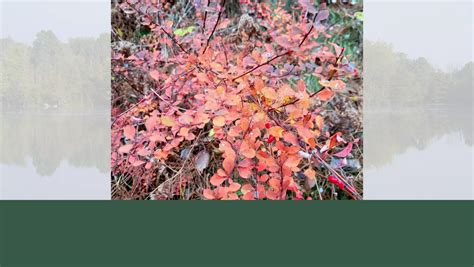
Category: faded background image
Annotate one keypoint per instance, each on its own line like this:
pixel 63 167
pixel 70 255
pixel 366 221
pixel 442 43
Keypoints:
pixel 418 100
pixel 55 86
pixel 54 96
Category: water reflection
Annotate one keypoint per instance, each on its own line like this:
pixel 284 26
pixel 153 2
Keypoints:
pixel 59 156
pixel 391 134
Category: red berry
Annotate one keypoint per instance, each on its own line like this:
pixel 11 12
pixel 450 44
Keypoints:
pixel 271 139
pixel 333 179
pixel 268 125
pixel 340 184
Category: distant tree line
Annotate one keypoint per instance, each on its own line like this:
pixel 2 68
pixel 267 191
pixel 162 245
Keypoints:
pixel 52 74
pixel 392 80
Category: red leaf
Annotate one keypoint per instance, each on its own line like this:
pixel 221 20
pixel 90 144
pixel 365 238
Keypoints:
pixel 343 153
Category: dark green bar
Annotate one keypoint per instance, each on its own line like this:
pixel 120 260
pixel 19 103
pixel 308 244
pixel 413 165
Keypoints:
pixel 278 233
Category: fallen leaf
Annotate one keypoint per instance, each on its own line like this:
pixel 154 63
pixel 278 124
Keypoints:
pixel 343 153
pixel 202 160
pixel 310 179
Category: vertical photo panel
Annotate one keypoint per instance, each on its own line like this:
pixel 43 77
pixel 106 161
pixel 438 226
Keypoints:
pixel 55 100
pixel 237 100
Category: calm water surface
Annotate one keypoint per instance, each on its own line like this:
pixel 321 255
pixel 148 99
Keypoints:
pixel 52 156
pixel 418 155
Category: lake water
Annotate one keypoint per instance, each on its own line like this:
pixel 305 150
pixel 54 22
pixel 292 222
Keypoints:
pixel 407 155
pixel 418 155
pixel 54 156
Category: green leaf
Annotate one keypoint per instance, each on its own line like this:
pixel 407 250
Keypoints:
pixel 359 16
pixel 183 31
pixel 211 132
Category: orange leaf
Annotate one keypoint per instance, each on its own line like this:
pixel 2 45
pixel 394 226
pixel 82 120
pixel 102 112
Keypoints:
pixel 276 131
pixel 319 122
pixel 208 193
pixel 306 134
pixel 325 94
pixel 269 93
pixel 274 183
pixel 244 124
pixel 200 117
pixel 246 188
pixel 292 161
pixel 263 178
pixel 246 150
pixel 233 187
pixel 217 180
pixel 219 121
pixel 183 132
pixel 248 196
pixel 245 172
pixel 228 164
pixel 259 84
pixel 290 138
pixel 310 179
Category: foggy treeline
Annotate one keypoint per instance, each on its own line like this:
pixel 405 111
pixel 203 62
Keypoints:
pixel 50 74
pixel 394 81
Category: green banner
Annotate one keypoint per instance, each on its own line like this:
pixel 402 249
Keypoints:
pixel 207 233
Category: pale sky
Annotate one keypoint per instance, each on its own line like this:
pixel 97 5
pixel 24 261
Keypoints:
pixel 22 20
pixel 440 31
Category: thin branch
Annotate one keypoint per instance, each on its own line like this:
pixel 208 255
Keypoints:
pixel 205 17
pixel 260 65
pixel 349 189
pixel 160 27
pixel 215 26
pixel 277 56
pixel 313 94
pixel 310 29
